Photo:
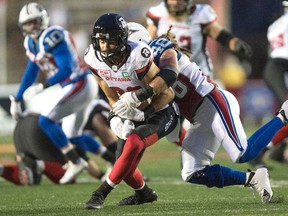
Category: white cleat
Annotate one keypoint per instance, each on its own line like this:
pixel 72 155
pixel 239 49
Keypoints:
pixel 284 112
pixel 73 170
pixel 259 180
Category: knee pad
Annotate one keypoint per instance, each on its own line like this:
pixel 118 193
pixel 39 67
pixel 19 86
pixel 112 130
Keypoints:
pixel 211 176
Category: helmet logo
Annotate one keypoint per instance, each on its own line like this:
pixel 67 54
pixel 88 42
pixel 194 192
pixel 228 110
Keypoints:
pixel 122 22
pixel 145 52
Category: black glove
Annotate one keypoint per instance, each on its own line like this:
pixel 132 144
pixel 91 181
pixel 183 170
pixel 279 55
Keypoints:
pixel 242 50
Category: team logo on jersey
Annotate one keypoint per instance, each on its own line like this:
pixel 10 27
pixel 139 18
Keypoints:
pixel 145 52
pixel 125 74
pixel 105 73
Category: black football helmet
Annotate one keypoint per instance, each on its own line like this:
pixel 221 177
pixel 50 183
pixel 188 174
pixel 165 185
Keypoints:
pixel 110 26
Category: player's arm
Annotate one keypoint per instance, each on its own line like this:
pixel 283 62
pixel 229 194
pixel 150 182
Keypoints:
pixel 163 94
pixel 63 59
pixel 159 101
pixel 151 24
pixel 110 94
pixel 28 79
pixel 225 38
pixel 160 79
pixel 151 28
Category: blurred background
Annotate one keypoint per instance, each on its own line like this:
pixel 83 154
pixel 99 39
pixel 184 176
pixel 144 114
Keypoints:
pixel 246 19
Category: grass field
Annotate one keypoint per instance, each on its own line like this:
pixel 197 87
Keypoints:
pixel 161 163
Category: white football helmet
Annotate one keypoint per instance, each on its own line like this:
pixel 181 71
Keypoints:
pixel 285 5
pixel 137 32
pixel 30 12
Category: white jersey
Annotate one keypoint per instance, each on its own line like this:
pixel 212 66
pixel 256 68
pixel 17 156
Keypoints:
pixel 277 35
pixel 188 32
pixel 125 77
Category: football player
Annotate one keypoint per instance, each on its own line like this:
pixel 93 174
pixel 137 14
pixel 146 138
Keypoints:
pixel 51 49
pixel 37 155
pixel 192 24
pixel 212 112
pixel 275 75
pixel 121 66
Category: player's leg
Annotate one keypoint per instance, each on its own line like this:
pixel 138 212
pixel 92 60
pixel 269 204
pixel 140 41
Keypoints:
pixel 199 149
pixel 76 98
pixel 233 137
pixel 275 76
pixel 125 166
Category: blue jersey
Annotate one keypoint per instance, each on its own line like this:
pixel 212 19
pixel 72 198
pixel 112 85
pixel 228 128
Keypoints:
pixel 55 55
pixel 159 45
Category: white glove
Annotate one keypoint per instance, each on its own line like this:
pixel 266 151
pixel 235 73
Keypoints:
pixel 128 126
pixel 127 100
pixel 15 108
pixel 32 91
pixel 116 126
pixel 132 114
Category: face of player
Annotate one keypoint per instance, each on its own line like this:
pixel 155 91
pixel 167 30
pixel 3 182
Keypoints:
pixel 32 27
pixel 107 47
pixel 176 6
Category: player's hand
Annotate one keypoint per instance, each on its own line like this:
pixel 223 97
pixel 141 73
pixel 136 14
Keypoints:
pixel 242 49
pixel 127 100
pixel 32 91
pixel 15 108
pixel 116 126
pixel 132 114
pixel 128 126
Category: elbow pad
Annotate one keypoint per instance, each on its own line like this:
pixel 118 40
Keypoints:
pixel 169 75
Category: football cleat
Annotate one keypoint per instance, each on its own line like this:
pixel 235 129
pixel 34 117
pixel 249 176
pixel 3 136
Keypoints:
pixel 259 180
pixel 73 170
pixel 138 199
pixel 284 112
pixel 96 201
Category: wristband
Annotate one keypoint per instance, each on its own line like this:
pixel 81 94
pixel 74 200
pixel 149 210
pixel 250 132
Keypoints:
pixel 145 93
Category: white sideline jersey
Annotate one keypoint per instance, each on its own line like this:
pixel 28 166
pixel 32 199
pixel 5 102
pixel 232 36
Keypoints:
pixel 188 32
pixel 127 76
pixel 277 36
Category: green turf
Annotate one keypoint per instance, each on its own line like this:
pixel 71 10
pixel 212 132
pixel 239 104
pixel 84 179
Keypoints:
pixel 161 163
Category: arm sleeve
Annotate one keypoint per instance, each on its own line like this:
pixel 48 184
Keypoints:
pixel 28 79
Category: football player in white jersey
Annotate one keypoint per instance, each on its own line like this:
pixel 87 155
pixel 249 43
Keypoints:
pixel 126 70
pixel 192 24
pixel 51 49
pixel 213 112
pixel 275 75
